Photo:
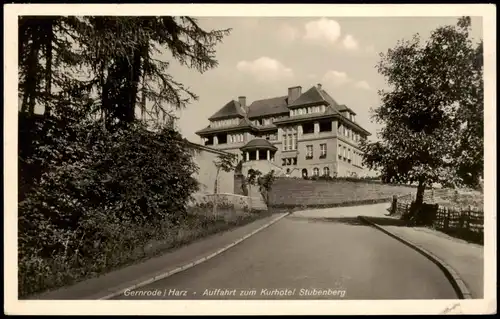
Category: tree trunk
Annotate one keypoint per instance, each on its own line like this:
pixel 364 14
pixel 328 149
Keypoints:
pixel 134 86
pixel 29 97
pixel 419 200
pixel 33 73
pixel 215 192
pixel 48 67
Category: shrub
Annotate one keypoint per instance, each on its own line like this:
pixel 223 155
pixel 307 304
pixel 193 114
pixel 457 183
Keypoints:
pixel 89 191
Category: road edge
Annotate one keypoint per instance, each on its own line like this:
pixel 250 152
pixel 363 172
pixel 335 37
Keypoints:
pixel 456 281
pixel 193 263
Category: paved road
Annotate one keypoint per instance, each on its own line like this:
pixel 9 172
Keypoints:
pixel 323 250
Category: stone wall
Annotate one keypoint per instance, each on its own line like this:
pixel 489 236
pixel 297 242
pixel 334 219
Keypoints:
pixel 205 158
pixel 300 192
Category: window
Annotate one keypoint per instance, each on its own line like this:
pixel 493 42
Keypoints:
pixel 326 171
pixel 308 128
pixel 322 109
pixel 316 171
pixel 325 126
pixel 344 152
pixel 289 161
pixel 309 152
pixel 348 155
pixel 322 150
pixel 289 140
pixel 339 151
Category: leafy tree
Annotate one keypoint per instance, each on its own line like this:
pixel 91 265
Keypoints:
pixel 226 163
pixel 130 68
pixel 265 183
pixel 111 65
pixel 84 185
pixel 433 114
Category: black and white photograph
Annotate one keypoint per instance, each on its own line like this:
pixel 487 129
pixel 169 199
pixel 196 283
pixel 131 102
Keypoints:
pixel 239 159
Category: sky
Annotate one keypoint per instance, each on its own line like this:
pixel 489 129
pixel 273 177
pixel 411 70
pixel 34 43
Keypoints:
pixel 264 56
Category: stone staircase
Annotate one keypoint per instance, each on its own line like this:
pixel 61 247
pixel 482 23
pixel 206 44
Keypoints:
pixel 256 200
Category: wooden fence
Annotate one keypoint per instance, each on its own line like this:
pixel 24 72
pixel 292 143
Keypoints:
pixel 461 219
pixel 466 223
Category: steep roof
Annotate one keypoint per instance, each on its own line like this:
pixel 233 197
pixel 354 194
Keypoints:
pixel 259 143
pixel 327 97
pixel 231 109
pixel 266 107
pixel 343 108
pixel 311 96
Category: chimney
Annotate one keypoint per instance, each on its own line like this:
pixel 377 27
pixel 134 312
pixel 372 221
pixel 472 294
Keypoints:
pixel 319 86
pixel 294 93
pixel 243 104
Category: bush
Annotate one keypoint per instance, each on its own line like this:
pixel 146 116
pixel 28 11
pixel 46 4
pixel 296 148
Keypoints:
pixel 87 195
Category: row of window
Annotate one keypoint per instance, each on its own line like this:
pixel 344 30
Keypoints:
pixel 351 156
pixel 224 123
pixel 347 132
pixel 310 151
pixel 349 115
pixel 235 138
pixel 326 171
pixel 267 121
pixel 308 110
pixel 270 137
pixel 289 161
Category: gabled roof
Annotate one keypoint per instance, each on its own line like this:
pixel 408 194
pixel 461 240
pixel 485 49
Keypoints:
pixel 267 107
pixel 311 96
pixel 231 109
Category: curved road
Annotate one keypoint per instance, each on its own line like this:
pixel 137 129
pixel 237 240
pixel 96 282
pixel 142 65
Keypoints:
pixel 303 254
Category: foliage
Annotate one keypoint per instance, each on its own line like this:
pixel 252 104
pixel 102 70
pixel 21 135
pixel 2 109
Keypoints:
pixel 253 176
pixel 436 97
pixel 84 203
pixel 264 182
pixel 96 182
pixel 116 63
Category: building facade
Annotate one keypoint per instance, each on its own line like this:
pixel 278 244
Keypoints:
pixel 299 134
